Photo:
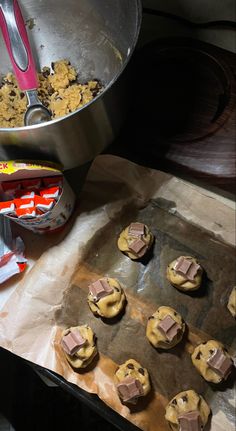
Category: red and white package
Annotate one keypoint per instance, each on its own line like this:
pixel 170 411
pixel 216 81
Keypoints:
pixel 34 183
pixel 26 194
pixel 50 193
pixel 24 203
pixel 26 213
pixel 43 204
pixel 7 207
pixel 53 181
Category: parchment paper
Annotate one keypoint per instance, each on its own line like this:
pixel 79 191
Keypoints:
pixel 52 294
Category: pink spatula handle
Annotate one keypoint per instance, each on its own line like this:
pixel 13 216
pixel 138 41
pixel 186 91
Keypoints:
pixel 17 43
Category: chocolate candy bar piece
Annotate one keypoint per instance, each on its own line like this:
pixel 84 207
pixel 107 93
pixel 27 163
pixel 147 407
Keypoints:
pixel 187 268
pixel 137 246
pixel 136 229
pixel 169 327
pixel 130 389
pixel 100 288
pixel 72 342
pixel 220 363
pixel 190 421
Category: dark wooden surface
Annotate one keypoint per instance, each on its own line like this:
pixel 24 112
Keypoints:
pixel 183 116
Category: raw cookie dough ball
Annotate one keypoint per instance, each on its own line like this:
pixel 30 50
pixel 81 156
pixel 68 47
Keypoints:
pixel 79 346
pixel 106 297
pixel 132 381
pixel 188 407
pixel 165 328
pixel 185 273
pixel 212 361
pixel 135 240
pixel 232 302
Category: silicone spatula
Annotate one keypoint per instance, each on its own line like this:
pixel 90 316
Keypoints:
pixel 17 43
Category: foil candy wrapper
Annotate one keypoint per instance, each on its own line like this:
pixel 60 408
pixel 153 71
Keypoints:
pixel 12 259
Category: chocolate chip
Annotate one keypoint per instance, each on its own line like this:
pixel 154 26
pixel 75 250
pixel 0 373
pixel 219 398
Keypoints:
pixel 52 65
pixel 22 95
pixel 198 356
pixel 50 90
pixel 141 371
pixel 185 398
pixel 12 93
pixel 174 402
pixel 211 351
pixel 5 81
pixel 175 314
pixel 151 317
pixel 130 366
pixel 73 82
pixel 117 289
pixel 46 73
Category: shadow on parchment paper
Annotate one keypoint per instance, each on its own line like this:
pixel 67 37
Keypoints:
pixel 142 402
pixel 116 319
pixel 89 368
pixel 147 288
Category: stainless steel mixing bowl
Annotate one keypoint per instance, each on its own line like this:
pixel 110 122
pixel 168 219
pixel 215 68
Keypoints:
pixel 98 37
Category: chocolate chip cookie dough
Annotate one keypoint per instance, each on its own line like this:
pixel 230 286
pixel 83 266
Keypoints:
pixel 185 273
pixel 212 361
pixel 79 346
pixel 132 381
pixel 58 90
pixel 165 328
pixel 232 302
pixel 135 240
pixel 106 297
pixel 187 411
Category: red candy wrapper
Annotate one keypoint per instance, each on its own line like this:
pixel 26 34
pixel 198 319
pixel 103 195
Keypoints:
pixel 26 194
pixel 34 183
pixel 26 213
pixel 24 203
pixel 50 193
pixel 11 187
pixel 43 204
pixel 53 181
pixel 7 207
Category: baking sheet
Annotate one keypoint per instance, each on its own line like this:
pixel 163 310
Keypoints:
pixel 52 295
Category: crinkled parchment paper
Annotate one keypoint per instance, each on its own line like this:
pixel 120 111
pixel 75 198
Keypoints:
pixel 52 294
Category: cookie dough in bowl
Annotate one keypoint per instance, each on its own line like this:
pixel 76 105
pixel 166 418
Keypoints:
pixel 132 382
pixel 135 240
pixel 106 297
pixel 165 328
pixel 187 411
pixel 185 273
pixel 59 90
pixel 232 302
pixel 212 361
pixel 79 346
